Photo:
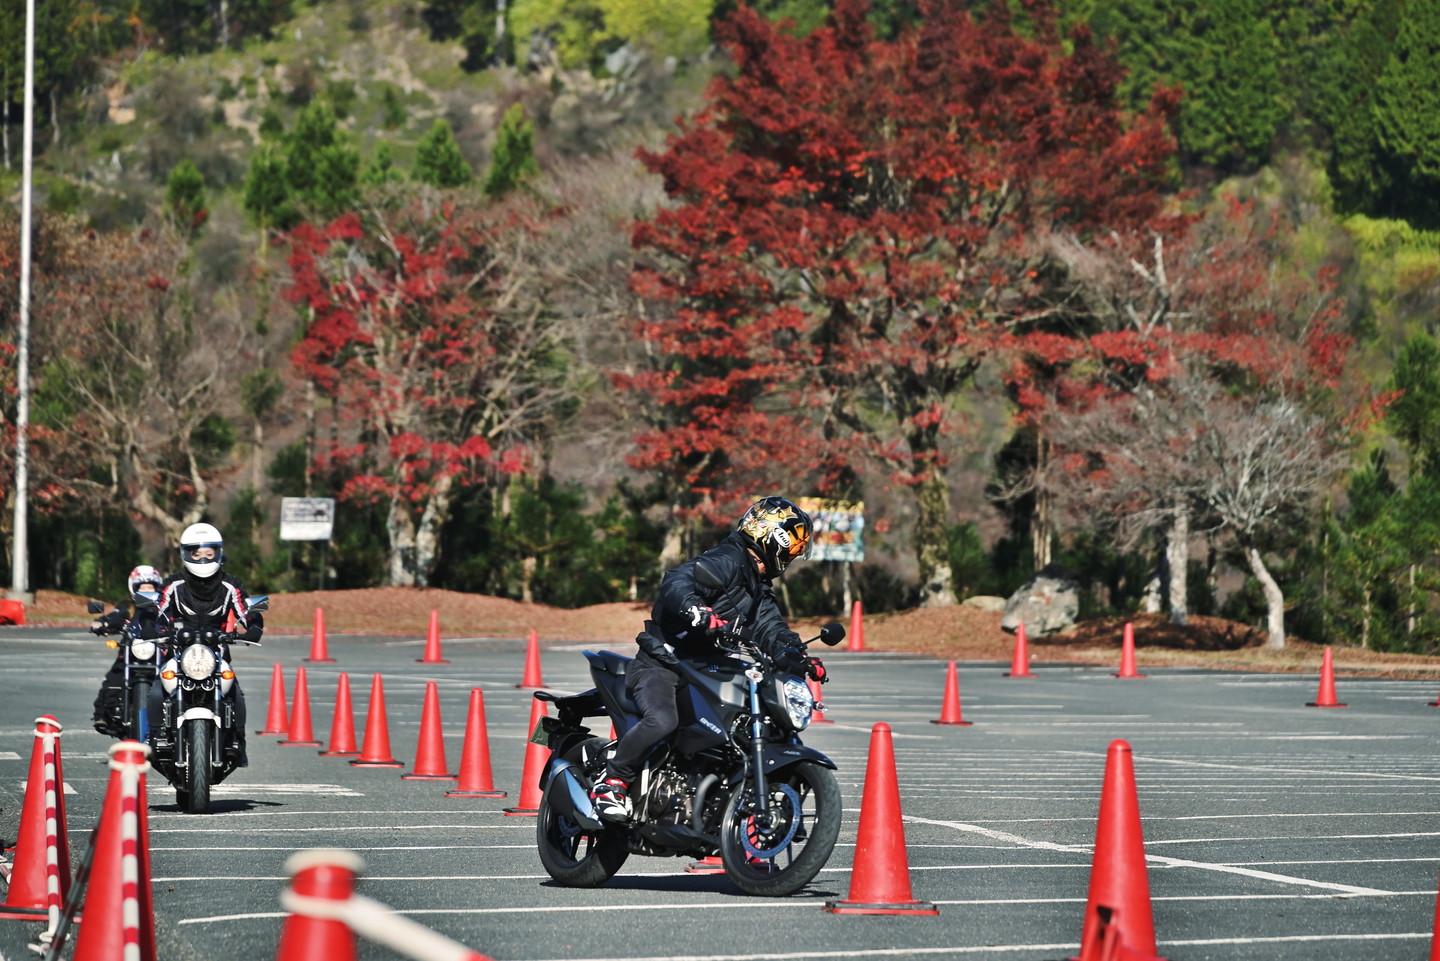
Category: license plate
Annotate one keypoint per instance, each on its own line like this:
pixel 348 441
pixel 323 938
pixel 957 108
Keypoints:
pixel 540 736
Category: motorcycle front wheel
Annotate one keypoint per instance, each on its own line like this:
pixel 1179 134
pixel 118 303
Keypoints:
pixel 572 854
pixel 782 852
pixel 196 797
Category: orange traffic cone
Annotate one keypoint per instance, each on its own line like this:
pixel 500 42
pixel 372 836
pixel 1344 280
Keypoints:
pixel 375 752
pixel 1118 878
pixel 475 777
pixel 323 878
pixel 1108 941
pixel 536 756
pixel 857 628
pixel 300 733
pixel 432 642
pixel 430 751
pixel 119 916
pixel 276 722
pixel 818 717
pixel 319 652
pixel 880 875
pixel 342 725
pixel 531 677
pixel 1326 697
pixel 40 875
pixel 950 707
pixel 1020 663
pixel 1127 653
pixel 1435 935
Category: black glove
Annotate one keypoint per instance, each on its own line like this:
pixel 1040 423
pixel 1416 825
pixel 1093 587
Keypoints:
pixel 815 670
pixel 704 617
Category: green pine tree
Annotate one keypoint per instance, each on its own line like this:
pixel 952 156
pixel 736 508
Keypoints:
pixel 1414 417
pixel 438 160
pixel 1407 115
pixel 267 194
pixel 185 195
pixel 514 158
pixel 381 169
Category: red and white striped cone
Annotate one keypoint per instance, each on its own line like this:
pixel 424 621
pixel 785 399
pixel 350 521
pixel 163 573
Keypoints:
pixel 119 916
pixel 325 915
pixel 40 874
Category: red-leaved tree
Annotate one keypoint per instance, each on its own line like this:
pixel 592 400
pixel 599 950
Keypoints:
pixel 443 366
pixel 856 229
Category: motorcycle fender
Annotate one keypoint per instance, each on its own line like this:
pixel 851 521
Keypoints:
pixel 780 756
pixel 198 714
pixel 571 797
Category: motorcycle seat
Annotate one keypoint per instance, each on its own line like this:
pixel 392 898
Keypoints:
pixel 609 662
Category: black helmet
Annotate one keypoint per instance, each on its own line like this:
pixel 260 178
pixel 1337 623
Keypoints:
pixel 779 531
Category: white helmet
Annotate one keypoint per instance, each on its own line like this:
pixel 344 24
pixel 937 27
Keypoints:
pixel 198 536
pixel 145 574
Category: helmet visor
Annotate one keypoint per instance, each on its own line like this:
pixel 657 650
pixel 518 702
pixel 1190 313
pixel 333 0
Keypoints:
pixel 200 553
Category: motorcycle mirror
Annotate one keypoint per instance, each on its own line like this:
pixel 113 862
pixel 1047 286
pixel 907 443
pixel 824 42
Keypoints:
pixel 94 607
pixel 832 633
pixel 260 602
pixel 146 600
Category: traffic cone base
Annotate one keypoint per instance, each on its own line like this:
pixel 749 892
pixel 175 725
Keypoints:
pixel 277 722
pixel 905 907
pixel 706 865
pixel 477 794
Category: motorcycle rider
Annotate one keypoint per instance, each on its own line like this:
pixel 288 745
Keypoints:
pixel 112 689
pixel 202 597
pixel 730 584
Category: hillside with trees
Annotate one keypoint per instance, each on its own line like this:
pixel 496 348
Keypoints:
pixel 544 291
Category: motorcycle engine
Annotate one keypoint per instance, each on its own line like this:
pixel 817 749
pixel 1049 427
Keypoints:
pixel 671 794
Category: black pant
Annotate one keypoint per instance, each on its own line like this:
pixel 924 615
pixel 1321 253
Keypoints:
pixel 653 689
pixel 112 690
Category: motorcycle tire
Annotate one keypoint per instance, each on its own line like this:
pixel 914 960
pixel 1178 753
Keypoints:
pixel 775 862
pixel 573 855
pixel 195 799
pixel 138 729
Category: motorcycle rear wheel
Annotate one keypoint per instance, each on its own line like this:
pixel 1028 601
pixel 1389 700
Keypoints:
pixel 780 860
pixel 196 797
pixel 573 855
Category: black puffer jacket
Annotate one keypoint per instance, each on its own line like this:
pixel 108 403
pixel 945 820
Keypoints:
pixel 723 579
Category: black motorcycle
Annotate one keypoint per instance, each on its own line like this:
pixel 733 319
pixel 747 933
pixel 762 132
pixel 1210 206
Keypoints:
pixel 192 743
pixel 142 657
pixel 734 779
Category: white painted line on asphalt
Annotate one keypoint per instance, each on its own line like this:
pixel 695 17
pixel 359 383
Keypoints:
pixel 247 789
pixel 9 756
pixel 68 788
pixel 1291 837
pixel 393 847
pixel 528 823
pixel 342 812
pixel 1271 771
pixel 1160 859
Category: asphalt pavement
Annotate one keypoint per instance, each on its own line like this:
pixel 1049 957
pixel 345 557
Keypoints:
pixel 1273 830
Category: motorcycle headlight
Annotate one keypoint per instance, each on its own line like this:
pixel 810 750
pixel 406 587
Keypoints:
pixel 198 662
pixel 142 650
pixel 799 702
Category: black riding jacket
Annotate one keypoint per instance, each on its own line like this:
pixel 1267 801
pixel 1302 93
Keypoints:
pixel 204 603
pixel 723 579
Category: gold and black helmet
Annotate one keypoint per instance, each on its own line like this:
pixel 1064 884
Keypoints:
pixel 779 531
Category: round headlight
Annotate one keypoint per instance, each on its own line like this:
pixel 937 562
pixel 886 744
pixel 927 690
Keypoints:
pixel 799 702
pixel 142 650
pixel 198 662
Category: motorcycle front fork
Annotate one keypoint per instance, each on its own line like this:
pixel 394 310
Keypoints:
pixel 757 752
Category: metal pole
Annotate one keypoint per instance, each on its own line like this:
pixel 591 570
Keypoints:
pixel 19 554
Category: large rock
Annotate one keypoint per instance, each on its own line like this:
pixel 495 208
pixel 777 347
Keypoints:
pixel 1048 602
pixel 985 602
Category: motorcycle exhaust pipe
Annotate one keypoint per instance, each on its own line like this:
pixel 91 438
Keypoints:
pixel 571 797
